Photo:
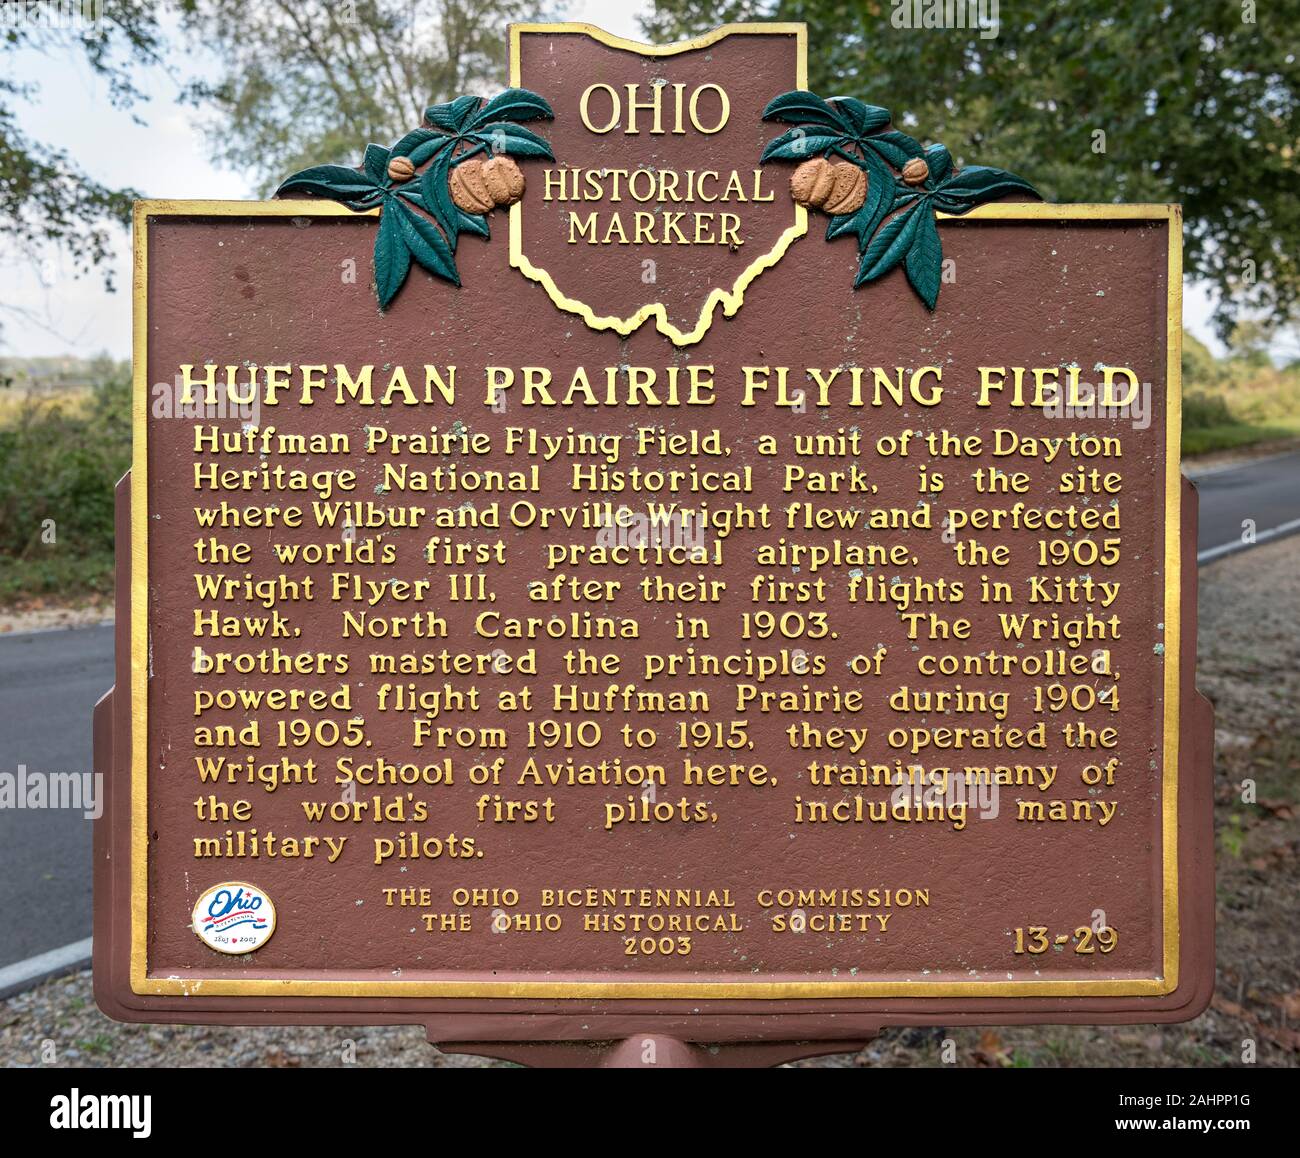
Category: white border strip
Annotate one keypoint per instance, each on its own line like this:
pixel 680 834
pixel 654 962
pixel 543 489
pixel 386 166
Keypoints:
pixel 1212 553
pixel 25 974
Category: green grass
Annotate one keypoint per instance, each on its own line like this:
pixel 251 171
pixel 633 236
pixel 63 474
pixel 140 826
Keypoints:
pixel 1232 837
pixel 100 1044
pixel 1235 435
pixel 56 577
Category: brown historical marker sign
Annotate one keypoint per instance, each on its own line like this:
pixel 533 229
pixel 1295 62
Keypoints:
pixel 656 551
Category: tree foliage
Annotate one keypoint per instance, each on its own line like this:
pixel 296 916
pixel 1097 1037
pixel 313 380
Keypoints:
pixel 1197 103
pixel 303 82
pixel 45 196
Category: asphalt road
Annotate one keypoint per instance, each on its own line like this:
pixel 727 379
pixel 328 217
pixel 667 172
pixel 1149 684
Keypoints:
pixel 1266 491
pixel 49 682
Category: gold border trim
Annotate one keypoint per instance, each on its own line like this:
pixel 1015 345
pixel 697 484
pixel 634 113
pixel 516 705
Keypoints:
pixel 1173 588
pixel 731 300
pixel 142 983
pixel 139 592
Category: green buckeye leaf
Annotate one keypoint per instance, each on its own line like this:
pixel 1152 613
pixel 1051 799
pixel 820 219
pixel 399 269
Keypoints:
pixel 469 222
pixel 437 197
pixel 888 247
pixel 896 223
pixel 515 104
pixel 976 184
pixel 897 148
pixel 337 182
pixel 416 137
pixel 864 118
pixel 878 202
pixel 506 137
pixel 800 105
pixel 800 132
pixel 376 162
pixel 924 261
pixel 392 255
pixel 452 115
pixel 429 148
pixel 425 243
pixel 799 144
pixel 473 223
pixel 940 162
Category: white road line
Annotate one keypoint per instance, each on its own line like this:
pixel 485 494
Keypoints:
pixel 1212 553
pixel 24 974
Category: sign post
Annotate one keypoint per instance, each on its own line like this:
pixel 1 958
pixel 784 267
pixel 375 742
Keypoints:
pixel 656 559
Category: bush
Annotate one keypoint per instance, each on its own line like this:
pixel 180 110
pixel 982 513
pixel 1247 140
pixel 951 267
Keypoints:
pixel 59 463
pixel 1237 401
pixel 1205 410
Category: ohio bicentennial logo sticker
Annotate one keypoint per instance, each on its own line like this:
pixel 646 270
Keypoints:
pixel 234 917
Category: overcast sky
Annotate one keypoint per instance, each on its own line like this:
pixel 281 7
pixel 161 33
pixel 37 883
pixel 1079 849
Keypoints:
pixel 167 156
